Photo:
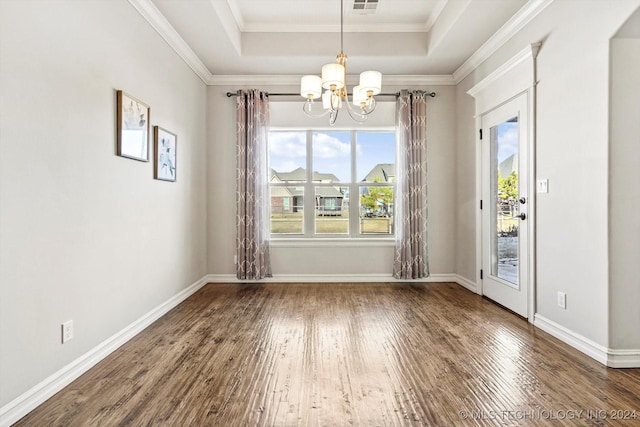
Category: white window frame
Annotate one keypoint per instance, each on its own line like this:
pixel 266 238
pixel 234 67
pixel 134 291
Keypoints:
pixel 309 208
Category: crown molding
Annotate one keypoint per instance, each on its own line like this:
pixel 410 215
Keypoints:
pixel 235 11
pixel 333 28
pixel 310 28
pixel 257 79
pixel 529 52
pixel 433 17
pixel 294 80
pixel 231 21
pixel 436 80
pixel 157 20
pixel 525 15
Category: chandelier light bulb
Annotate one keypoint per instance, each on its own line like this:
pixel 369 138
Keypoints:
pixel 311 87
pixel 371 81
pixel 333 76
pixel 359 96
pixel 326 99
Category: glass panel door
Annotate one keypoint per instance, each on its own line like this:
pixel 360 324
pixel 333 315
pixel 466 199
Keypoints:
pixel 505 207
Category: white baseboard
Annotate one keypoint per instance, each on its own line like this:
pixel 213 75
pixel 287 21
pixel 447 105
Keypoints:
pixel 604 355
pixel 337 278
pixel 466 283
pixel 29 400
pixel 572 338
pixel 623 358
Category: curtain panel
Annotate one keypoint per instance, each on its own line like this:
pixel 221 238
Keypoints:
pixel 252 194
pixel 411 252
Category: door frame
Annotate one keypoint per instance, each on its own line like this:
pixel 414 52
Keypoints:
pixel 514 296
pixel 514 78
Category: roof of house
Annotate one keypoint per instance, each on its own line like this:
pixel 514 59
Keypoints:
pixel 382 172
pixel 300 175
pixel 508 165
pixel 329 192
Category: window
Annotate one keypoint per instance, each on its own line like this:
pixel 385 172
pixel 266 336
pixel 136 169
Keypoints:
pixel 315 174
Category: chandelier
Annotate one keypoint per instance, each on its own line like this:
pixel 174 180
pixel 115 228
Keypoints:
pixel 334 81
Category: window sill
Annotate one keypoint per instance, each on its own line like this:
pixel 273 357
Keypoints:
pixel 331 242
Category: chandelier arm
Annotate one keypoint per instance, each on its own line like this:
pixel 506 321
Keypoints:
pixel 356 116
pixel 373 106
pixel 366 111
pixel 306 108
pixel 332 117
pixel 335 96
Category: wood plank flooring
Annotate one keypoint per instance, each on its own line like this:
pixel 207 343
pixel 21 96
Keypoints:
pixel 347 354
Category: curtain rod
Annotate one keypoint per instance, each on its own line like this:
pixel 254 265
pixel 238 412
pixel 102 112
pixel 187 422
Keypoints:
pixel 230 94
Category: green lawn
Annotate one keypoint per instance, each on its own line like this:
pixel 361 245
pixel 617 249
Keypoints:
pixel 292 224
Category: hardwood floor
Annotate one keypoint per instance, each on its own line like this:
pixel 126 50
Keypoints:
pixel 343 354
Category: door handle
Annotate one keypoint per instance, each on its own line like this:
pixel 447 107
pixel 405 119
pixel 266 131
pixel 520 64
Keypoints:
pixel 522 216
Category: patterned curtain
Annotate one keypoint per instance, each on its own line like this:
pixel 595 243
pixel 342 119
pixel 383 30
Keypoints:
pixel 411 256
pixel 252 195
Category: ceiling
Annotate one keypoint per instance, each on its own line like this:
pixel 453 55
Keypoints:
pixel 221 38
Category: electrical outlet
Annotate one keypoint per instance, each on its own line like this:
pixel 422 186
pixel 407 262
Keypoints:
pixel 235 259
pixel 562 300
pixel 67 331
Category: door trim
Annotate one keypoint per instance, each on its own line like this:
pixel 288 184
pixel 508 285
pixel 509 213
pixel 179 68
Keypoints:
pixel 515 77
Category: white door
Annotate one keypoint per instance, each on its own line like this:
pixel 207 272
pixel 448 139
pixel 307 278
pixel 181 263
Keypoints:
pixel 505 148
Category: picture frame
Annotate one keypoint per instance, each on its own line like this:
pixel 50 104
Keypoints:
pixel 165 162
pixel 133 127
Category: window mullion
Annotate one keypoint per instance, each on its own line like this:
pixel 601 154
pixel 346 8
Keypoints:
pixel 309 191
pixel 354 194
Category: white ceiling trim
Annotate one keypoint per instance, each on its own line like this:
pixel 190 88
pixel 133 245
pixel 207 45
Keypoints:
pixel 521 18
pixel 237 15
pixel 332 28
pixel 433 17
pixel 294 80
pixel 288 28
pixel 265 79
pixel 157 20
pixel 229 22
pixel 419 80
pixel 529 52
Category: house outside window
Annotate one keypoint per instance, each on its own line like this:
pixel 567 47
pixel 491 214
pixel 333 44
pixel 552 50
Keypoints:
pixel 314 174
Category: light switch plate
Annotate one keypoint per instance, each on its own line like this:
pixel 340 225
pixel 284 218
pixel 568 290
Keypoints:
pixel 67 331
pixel 562 300
pixel 542 186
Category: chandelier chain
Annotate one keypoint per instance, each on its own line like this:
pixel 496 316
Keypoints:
pixel 341 26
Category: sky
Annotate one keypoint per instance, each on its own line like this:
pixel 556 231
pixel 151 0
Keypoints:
pixel 331 152
pixel 507 140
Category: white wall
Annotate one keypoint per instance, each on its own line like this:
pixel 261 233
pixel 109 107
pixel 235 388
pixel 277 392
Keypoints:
pixel 89 236
pixel 572 152
pixel 349 259
pixel 624 193
pixel 84 234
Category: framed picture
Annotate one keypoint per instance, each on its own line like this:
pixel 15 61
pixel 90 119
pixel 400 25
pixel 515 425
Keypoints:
pixel 165 152
pixel 133 127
